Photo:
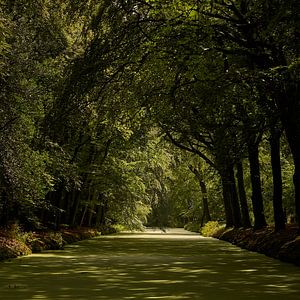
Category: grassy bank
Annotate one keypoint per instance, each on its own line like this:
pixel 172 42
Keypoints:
pixel 14 242
pixel 283 245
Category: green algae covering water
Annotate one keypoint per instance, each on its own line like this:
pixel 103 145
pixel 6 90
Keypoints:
pixel 150 265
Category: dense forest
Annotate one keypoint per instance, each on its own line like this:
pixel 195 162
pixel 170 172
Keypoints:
pixel 153 112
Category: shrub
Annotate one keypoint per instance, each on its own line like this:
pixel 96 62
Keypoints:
pixel 33 241
pixel 211 228
pixel 10 248
pixel 54 240
pixel 75 235
pixel 119 227
pixel 14 231
pixel 107 229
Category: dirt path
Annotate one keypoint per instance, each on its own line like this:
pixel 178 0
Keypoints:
pixel 153 265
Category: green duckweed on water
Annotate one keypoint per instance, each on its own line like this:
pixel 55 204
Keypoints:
pixel 150 265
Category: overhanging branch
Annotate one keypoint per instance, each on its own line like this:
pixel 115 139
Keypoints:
pixel 190 149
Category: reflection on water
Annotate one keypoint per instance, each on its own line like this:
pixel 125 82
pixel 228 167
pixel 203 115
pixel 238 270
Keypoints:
pixel 150 265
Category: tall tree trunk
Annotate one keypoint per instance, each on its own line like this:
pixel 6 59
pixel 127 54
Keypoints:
pixel 100 210
pixel 87 205
pixel 4 218
pixel 295 149
pixel 206 214
pixel 289 107
pixel 296 179
pixel 234 199
pixel 61 204
pixel 83 215
pixel 227 202
pixel 104 208
pixel 205 208
pixel 257 199
pixel 242 195
pixel 98 215
pixel 279 217
pixel 69 204
pixel 91 214
pixel 76 208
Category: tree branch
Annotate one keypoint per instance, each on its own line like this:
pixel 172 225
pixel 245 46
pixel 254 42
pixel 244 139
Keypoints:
pixel 190 149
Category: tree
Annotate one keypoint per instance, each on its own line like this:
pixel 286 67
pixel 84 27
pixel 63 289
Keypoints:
pixel 88 90
pixel 249 31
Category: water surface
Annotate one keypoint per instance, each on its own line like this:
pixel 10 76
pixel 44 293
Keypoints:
pixel 151 265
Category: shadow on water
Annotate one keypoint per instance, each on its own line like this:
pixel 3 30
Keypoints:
pixel 151 265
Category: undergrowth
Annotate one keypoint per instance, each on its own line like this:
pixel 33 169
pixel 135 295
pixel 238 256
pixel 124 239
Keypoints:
pixel 191 226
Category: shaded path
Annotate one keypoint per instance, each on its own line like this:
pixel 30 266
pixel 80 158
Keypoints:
pixel 152 265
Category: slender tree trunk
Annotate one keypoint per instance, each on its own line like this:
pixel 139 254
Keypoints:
pixel 48 216
pixel 206 214
pixel 91 214
pixel 88 205
pixel 75 202
pixel 99 210
pixel 103 213
pixel 76 209
pixel 279 217
pixel 234 199
pixel 5 209
pixel 98 216
pixel 257 199
pixel 83 215
pixel 242 196
pixel 61 202
pixel 69 203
